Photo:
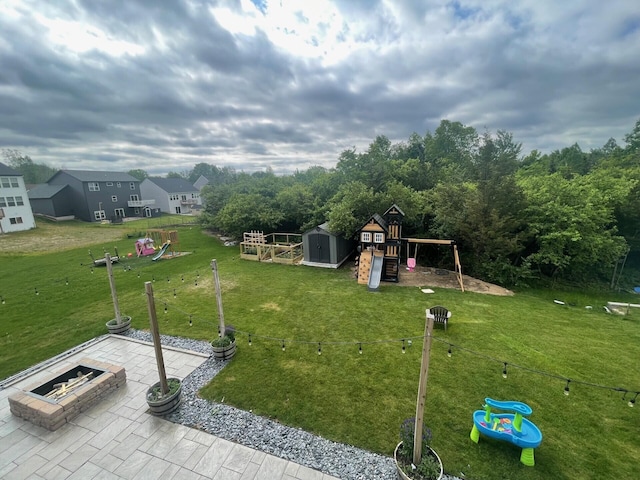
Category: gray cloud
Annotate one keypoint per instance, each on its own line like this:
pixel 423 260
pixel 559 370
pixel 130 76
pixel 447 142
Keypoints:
pixel 171 87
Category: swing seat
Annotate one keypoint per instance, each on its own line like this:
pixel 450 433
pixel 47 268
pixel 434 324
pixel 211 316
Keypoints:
pixel 411 264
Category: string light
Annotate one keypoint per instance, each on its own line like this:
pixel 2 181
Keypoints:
pixel 174 293
pixel 2 299
pixel 91 269
pixel 182 278
pixel 153 278
pixel 138 274
pixel 190 320
pixel 168 280
pixel 165 308
pixel 66 281
pixel 37 293
pixel 405 341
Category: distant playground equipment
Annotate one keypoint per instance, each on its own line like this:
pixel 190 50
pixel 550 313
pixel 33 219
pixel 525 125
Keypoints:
pixel 101 262
pixel 509 427
pixel 381 237
pixel 156 243
pixel 285 248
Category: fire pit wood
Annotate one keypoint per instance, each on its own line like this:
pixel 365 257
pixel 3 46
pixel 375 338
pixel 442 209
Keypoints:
pixel 64 388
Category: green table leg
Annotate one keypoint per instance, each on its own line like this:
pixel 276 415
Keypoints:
pixel 475 434
pixel 526 457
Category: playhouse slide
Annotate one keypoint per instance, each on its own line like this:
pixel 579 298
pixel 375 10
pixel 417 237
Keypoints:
pixel 376 272
pixel 161 252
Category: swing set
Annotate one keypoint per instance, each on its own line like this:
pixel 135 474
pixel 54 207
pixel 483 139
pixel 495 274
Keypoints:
pixel 411 261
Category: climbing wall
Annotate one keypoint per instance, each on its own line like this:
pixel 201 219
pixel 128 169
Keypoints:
pixel 364 267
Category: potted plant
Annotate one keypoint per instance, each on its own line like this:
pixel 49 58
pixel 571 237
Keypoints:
pixel 430 466
pixel 224 347
pixel 120 323
pixel 160 404
pixel 163 397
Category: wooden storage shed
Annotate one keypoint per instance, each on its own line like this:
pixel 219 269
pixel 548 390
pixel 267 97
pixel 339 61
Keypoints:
pixel 325 249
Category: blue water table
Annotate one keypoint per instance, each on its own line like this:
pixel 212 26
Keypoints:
pixel 510 427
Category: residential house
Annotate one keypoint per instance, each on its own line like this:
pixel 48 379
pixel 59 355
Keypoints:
pixel 96 196
pixel 15 209
pixel 52 201
pixel 172 195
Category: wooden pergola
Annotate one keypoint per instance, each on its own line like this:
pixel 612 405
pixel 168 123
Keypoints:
pixel 456 257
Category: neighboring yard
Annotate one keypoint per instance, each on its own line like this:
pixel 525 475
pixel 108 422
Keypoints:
pixel 342 395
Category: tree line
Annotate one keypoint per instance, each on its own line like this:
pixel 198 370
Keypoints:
pixel 568 214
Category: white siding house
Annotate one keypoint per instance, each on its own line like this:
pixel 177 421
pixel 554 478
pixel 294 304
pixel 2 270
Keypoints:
pixel 172 195
pixel 15 209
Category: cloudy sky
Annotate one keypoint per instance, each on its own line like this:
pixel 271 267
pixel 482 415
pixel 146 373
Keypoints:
pixel 163 85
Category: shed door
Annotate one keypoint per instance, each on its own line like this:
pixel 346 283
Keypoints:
pixel 319 246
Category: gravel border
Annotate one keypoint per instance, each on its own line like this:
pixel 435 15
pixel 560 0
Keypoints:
pixel 339 460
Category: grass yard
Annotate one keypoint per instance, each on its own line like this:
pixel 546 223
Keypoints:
pixel 349 397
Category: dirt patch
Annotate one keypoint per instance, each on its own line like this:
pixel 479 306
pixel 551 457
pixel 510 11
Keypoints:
pixel 428 277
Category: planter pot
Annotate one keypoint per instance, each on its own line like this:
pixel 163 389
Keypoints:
pixel 403 476
pixel 166 404
pixel 224 353
pixel 121 327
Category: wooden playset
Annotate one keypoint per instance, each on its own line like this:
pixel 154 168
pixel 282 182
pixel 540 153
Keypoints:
pixel 380 246
pixel 285 248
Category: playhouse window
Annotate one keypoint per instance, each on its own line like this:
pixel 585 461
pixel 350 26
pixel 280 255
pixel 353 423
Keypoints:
pixel 365 237
pixel 378 237
pixel 114 198
pixel 94 187
pixel 99 215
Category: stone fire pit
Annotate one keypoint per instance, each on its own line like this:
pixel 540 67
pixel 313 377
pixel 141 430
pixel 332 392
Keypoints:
pixel 67 393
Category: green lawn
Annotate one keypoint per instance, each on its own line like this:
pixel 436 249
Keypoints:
pixel 343 395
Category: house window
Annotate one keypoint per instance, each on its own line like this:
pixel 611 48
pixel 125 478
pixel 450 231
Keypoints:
pixel 3 202
pixel 378 237
pixel 132 186
pixel 114 198
pixel 14 183
pixel 94 187
pixel 15 220
pixel 99 215
pixel 109 184
pixel 134 198
pixel 136 211
pixel 119 212
pixel 4 181
pixel 11 201
pixel 19 201
pixel 365 237
pixel 118 184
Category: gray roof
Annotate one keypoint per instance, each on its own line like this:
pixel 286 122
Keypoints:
pixel 43 190
pixel 173 185
pixel 7 170
pixel 97 176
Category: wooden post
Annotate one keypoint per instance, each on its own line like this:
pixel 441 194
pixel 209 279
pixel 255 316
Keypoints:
pixel 422 391
pixel 155 334
pixel 214 267
pixel 112 284
pixel 456 259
